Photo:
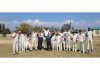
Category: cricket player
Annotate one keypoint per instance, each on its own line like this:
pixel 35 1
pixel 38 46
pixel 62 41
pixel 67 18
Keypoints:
pixel 90 40
pixel 81 38
pixel 68 37
pixel 74 40
pixel 16 42
pixel 40 40
pixel 43 44
pixel 59 43
pixel 76 33
pixel 53 42
pixel 48 41
pixel 23 43
pixel 34 40
pixel 27 42
pixel 46 32
pixel 62 34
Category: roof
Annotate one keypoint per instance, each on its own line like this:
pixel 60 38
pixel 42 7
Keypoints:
pixel 96 28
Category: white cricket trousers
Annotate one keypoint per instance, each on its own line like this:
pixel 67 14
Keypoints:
pixel 16 45
pixel 74 46
pixel 27 45
pixel 23 46
pixel 54 45
pixel 34 44
pixel 59 46
pixel 68 44
pixel 90 45
pixel 82 47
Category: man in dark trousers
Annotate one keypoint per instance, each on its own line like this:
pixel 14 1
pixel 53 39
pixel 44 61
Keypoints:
pixel 48 39
pixel 40 40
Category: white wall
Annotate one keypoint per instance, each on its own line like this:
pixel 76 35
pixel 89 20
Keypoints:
pixel 94 33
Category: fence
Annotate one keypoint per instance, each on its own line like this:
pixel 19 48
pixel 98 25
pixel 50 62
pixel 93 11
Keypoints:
pixel 8 35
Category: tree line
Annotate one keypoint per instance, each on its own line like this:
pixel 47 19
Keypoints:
pixel 27 28
pixel 4 30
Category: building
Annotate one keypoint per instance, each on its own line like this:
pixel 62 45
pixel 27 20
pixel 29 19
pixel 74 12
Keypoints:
pixel 96 31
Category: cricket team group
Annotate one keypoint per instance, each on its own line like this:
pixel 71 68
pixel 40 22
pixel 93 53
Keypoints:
pixel 58 40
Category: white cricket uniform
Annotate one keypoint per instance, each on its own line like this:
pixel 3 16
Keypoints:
pixel 59 43
pixel 81 38
pixel 27 43
pixel 34 42
pixel 16 43
pixel 23 43
pixel 74 39
pixel 63 39
pixel 90 40
pixel 53 42
pixel 46 32
pixel 68 38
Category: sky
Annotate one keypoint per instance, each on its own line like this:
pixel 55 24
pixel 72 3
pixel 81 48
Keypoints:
pixel 57 19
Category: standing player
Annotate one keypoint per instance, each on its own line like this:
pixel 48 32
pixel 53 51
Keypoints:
pixel 40 40
pixel 16 42
pixel 62 34
pixel 76 33
pixel 90 40
pixel 46 32
pixel 48 40
pixel 74 40
pixel 53 42
pixel 68 37
pixel 23 44
pixel 27 43
pixel 34 40
pixel 59 43
pixel 81 38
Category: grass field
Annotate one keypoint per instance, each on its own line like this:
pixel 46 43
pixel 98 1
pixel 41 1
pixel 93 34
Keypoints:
pixel 6 50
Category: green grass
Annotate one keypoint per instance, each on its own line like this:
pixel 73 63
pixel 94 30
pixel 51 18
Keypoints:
pixel 6 51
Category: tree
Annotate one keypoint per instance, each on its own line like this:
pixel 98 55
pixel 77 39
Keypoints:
pixel 8 31
pixel 25 28
pixel 3 27
pixel 73 28
pixel 52 28
pixel 66 27
pixel 38 28
pixel 4 33
pixel 3 30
